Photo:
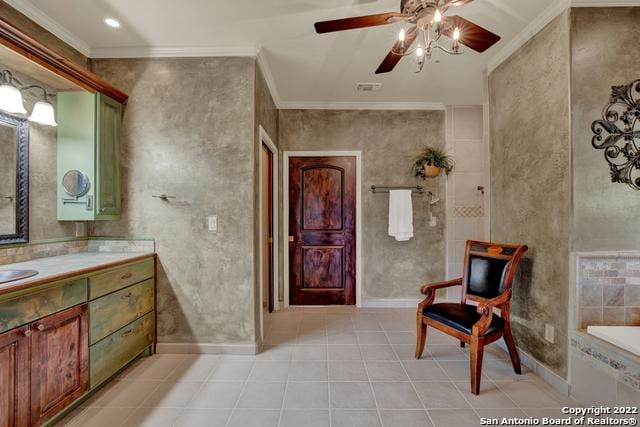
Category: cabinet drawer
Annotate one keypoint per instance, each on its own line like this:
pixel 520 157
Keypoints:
pixel 122 277
pixel 113 311
pixel 114 352
pixel 27 308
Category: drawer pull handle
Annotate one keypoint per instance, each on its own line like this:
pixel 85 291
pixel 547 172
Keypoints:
pixel 127 333
pixel 127 295
pixel 27 333
pixel 41 328
pixel 129 275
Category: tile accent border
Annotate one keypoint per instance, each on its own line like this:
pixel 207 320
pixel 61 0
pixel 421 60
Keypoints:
pixel 624 366
pixel 468 211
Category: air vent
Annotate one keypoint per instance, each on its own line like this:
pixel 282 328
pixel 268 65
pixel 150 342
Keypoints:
pixel 368 87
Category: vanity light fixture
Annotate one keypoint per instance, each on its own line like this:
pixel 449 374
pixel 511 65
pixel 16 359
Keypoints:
pixel 10 96
pixel 113 23
pixel 11 100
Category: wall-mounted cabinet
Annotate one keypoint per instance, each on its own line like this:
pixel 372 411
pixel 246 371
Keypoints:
pixel 89 133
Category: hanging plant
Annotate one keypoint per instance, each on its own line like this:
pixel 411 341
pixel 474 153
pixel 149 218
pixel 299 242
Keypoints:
pixel 432 162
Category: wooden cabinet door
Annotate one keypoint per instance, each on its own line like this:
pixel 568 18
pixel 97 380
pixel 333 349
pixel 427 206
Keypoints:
pixel 59 362
pixel 14 378
pixel 108 135
pixel 322 225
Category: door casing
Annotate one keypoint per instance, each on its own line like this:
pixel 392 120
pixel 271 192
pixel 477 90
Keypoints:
pixel 285 213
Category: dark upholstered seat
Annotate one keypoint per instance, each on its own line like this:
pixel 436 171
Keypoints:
pixel 460 317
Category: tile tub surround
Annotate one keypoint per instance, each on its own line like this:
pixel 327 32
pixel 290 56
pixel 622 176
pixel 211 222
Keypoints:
pixel 323 367
pixel 600 370
pixel 608 289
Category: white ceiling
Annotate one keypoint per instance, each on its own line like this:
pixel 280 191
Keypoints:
pixel 304 68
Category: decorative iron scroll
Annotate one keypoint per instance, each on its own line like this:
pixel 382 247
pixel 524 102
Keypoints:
pixel 618 134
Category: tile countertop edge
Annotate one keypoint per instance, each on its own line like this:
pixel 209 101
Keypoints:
pixel 31 282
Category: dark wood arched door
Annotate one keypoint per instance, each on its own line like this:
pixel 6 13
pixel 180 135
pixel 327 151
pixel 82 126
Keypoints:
pixel 322 230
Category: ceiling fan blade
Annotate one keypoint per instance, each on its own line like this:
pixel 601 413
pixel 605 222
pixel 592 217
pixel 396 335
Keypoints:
pixel 358 22
pixel 392 59
pixel 456 3
pixel 471 35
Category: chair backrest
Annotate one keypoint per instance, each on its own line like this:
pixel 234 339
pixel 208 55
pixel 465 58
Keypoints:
pixel 489 269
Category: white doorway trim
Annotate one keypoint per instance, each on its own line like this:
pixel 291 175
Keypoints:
pixel 266 140
pixel 285 212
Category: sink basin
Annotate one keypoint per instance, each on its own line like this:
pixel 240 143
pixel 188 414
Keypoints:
pixel 12 275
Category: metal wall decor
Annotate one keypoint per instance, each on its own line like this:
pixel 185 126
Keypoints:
pixel 618 134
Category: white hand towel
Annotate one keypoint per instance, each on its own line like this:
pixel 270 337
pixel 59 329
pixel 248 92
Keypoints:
pixel 400 215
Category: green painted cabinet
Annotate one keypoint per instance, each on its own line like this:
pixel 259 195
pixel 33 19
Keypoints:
pixel 89 134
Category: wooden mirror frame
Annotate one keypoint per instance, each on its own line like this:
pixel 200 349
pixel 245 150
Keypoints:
pixel 21 234
pixel 23 44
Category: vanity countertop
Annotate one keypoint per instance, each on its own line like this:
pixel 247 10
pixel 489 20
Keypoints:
pixel 61 267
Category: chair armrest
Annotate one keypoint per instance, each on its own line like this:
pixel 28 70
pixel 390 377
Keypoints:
pixel 430 287
pixel 429 290
pixel 485 308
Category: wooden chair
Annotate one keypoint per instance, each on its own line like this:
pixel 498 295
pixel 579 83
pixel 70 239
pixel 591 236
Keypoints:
pixel 489 269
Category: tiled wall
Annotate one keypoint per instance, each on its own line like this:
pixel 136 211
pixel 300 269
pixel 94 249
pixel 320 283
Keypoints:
pixel 465 203
pixel 608 290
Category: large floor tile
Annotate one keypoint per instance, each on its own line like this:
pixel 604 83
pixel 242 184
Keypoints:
pixel 371 337
pixel 308 371
pixel 262 395
pixel 98 417
pixel 424 370
pixel 254 418
pixel 219 394
pixel 352 395
pixel 194 368
pixel 153 417
pixel 347 370
pixel 454 417
pixel 386 371
pixel 440 395
pixel 344 352
pixel 490 397
pixel 407 338
pixel 342 337
pixel 309 352
pixel 269 352
pixel 378 352
pixel 125 394
pixel 528 395
pixel 396 395
pixel 203 418
pixel 405 418
pixel 305 417
pixel 231 370
pixel 172 395
pixel 157 367
pixel 458 371
pixel 354 418
pixel 307 395
pixel 270 370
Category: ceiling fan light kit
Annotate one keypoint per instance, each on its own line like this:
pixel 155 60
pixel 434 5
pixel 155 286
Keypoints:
pixel 429 24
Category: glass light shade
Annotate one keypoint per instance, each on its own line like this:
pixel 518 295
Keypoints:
pixel 437 17
pixel 456 34
pixel 11 100
pixel 419 52
pixel 402 36
pixel 43 113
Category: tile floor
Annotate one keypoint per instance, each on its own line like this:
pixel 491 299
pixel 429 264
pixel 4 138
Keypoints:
pixel 322 367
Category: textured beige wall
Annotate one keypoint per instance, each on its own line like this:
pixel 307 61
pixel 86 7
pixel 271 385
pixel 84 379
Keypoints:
pixel 531 184
pixel 189 131
pixel 266 115
pixel 389 141
pixel 604 53
pixel 40 34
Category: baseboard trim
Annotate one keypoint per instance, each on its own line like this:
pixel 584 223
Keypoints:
pixel 540 369
pixel 203 348
pixel 391 303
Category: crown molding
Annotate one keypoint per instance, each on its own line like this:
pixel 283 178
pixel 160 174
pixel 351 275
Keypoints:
pixel 263 63
pixel 541 21
pixel 174 52
pixel 428 106
pixel 546 16
pixel 39 17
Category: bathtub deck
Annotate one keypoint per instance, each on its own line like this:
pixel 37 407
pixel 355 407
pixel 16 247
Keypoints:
pixel 626 337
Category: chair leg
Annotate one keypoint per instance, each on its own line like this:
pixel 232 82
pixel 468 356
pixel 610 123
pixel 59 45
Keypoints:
pixel 421 332
pixel 513 351
pixel 476 352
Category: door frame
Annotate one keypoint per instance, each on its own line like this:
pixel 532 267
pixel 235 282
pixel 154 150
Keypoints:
pixel 285 213
pixel 266 140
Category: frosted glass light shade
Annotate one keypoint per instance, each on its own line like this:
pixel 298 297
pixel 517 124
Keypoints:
pixel 11 100
pixel 43 113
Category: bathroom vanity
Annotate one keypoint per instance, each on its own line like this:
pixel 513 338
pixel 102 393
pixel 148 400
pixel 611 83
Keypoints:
pixel 69 329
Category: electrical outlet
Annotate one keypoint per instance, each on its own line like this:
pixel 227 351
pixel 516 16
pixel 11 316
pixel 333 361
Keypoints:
pixel 81 229
pixel 212 223
pixel 549 333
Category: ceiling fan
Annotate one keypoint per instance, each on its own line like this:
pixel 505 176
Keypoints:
pixel 428 23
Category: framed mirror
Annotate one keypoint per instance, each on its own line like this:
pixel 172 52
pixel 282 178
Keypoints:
pixel 14 180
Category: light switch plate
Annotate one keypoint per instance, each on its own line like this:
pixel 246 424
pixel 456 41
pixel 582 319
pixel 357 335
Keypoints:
pixel 212 223
pixel 549 333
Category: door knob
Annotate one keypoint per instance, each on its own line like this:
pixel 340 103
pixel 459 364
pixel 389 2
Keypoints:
pixel 291 239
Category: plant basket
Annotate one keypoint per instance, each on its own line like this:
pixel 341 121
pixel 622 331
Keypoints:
pixel 430 171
